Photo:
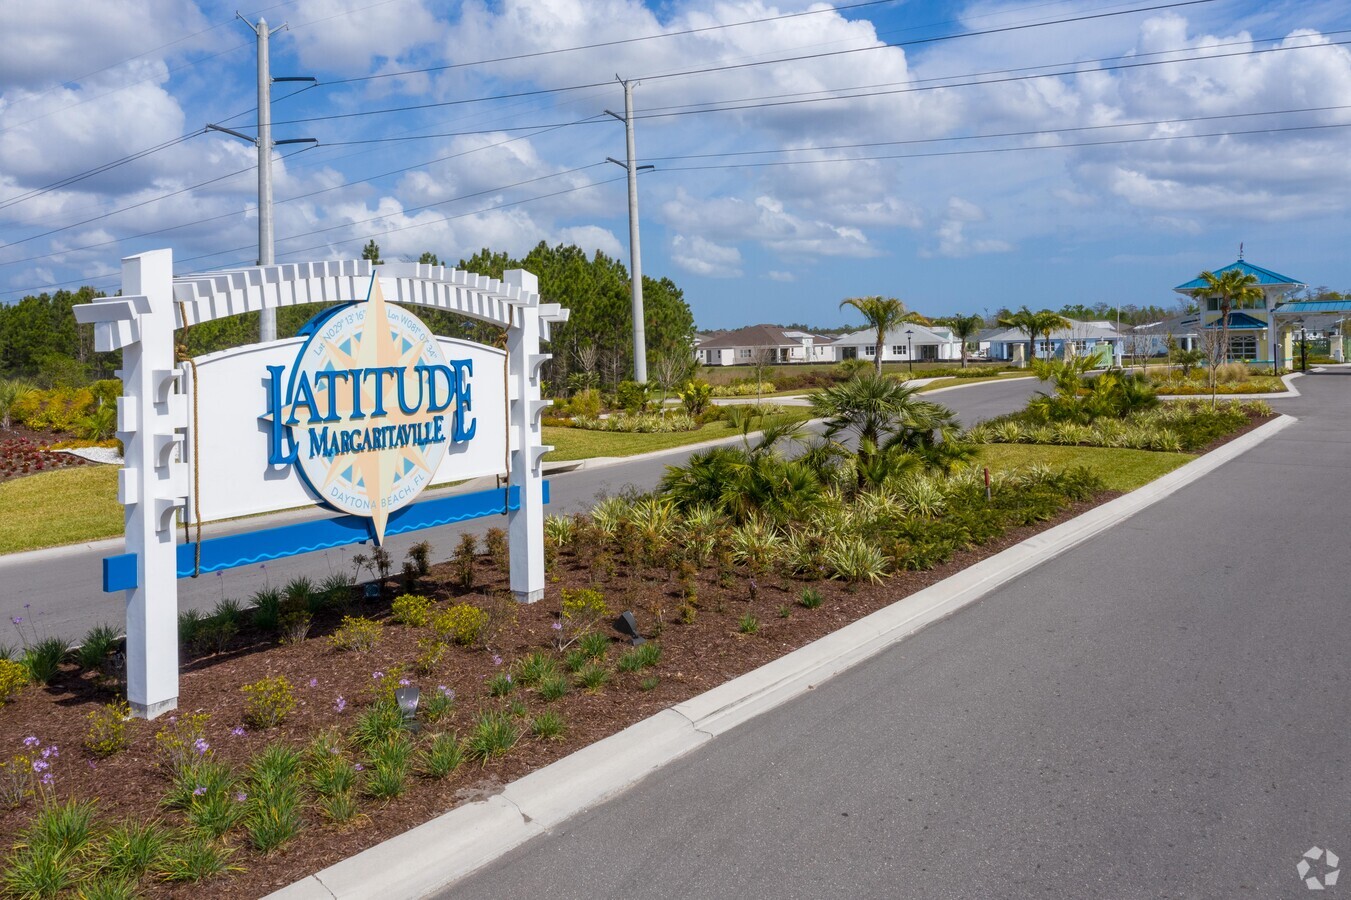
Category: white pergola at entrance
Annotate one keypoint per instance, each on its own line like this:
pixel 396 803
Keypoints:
pixel 155 417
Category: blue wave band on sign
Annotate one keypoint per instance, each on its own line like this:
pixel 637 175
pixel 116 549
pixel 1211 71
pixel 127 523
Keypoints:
pixel 267 544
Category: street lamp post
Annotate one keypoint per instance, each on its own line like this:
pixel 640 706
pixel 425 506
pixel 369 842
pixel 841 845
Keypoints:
pixel 910 350
pixel 1303 347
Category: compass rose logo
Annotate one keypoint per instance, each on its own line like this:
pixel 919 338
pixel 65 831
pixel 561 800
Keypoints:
pixel 370 407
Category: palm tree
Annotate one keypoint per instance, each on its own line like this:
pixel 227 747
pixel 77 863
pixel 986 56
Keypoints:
pixel 1035 323
pixel 1230 287
pixel 883 314
pixel 964 328
pixel 887 418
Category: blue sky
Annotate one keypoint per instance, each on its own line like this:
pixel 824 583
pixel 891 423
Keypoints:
pixel 877 111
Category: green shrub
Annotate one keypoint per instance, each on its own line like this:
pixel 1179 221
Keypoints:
pixel 390 763
pixel 43 659
pixel 641 657
pixel 438 705
pixel 553 686
pixel 592 677
pixel 441 757
pixel 13 677
pixel 267 610
pixel 640 423
pixel 463 560
pixel 378 724
pixel 811 598
pixel 748 624
pixel 548 725
pixel 107 730
pixel 462 624
pixel 584 606
pixel 533 668
pixel 356 633
pixel 98 644
pixel 411 609
pixel 594 644
pixel 268 702
pixel 194 859
pixel 744 389
pixel 494 734
pixel 501 684
pixel 132 848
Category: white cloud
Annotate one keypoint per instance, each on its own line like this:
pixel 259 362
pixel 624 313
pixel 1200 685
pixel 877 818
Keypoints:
pixel 592 238
pixel 346 37
pixel 775 275
pixel 952 238
pixel 703 257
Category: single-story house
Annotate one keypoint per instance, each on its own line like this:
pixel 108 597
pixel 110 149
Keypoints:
pixel 1080 338
pixel 926 343
pixel 745 345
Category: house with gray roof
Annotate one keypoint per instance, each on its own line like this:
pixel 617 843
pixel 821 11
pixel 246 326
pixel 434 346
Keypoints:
pixel 745 345
pixel 926 343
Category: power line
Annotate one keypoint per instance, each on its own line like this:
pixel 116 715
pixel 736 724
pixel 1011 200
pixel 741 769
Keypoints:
pixel 232 214
pixel 1006 134
pixel 614 43
pixel 987 150
pixel 733 66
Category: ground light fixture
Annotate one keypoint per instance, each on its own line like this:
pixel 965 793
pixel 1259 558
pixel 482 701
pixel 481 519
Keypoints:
pixel 407 699
pixel 628 626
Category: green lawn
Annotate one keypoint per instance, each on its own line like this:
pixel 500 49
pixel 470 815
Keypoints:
pixel 1121 470
pixel 64 507
pixel 953 382
pixel 578 443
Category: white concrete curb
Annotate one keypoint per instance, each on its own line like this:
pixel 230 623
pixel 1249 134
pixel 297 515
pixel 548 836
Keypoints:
pixel 433 856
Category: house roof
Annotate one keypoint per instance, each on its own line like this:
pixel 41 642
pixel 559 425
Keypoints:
pixel 1239 321
pixel 751 336
pixel 1316 307
pixel 896 336
pixel 1079 331
pixel 1265 277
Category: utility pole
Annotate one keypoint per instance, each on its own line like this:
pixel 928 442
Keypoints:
pixel 635 250
pixel 267 323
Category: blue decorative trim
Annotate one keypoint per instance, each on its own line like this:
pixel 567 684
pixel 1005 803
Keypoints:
pixel 264 545
pixel 119 572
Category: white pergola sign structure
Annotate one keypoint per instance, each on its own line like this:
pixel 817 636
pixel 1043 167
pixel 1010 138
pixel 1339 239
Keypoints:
pixel 359 413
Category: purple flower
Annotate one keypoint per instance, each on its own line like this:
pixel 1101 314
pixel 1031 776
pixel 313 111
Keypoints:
pixel 445 691
pixel 404 682
pixel 377 675
pixel 201 746
pixel 40 765
pixel 198 791
pixel 91 764
pixel 314 682
pixel 359 767
pixel 497 660
pixel 17 620
pixel 47 779
pixel 237 731
pixel 557 626
pixel 508 678
pixel 340 704
pixel 240 797
pixel 31 741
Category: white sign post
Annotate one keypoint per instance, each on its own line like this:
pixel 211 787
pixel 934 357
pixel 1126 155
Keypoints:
pixel 240 468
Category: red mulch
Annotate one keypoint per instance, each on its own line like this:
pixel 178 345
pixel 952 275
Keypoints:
pixel 24 452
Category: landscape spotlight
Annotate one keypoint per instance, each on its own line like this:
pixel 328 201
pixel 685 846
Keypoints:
pixel 628 626
pixel 371 591
pixel 407 698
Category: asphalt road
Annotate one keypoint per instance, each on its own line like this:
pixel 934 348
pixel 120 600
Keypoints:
pixel 1160 712
pixel 59 591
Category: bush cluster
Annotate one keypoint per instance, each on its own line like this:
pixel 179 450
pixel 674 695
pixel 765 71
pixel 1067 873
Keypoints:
pixel 356 633
pixel 638 423
pixel 461 624
pixel 744 389
pixel 411 609
pixel 268 702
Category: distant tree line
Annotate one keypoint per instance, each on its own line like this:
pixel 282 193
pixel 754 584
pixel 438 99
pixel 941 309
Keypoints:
pixel 40 339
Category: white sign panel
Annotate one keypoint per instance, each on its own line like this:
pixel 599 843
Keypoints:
pixel 362 413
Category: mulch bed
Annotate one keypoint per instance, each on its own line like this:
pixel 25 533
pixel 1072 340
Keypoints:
pixel 695 657
pixel 24 452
